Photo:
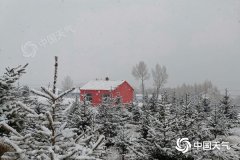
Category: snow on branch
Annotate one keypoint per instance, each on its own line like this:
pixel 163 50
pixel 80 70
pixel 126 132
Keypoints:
pixel 189 104
pixel 50 119
pixel 2 83
pixel 64 93
pixel 159 147
pixel 85 140
pixel 63 126
pixel 52 154
pixel 21 69
pixel 99 142
pixel 17 71
pixel 8 128
pixel 78 139
pixel 136 152
pixel 25 107
pixel 38 93
pixel 15 147
pixel 70 154
pixel 48 92
pixel 45 131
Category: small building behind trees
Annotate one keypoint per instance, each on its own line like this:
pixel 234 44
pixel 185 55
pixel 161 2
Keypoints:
pixel 100 91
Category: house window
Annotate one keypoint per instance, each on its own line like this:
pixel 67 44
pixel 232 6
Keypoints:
pixel 105 98
pixel 89 97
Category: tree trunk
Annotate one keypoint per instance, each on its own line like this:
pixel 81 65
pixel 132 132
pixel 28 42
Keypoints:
pixel 143 91
pixel 123 158
pixel 157 92
pixel 54 101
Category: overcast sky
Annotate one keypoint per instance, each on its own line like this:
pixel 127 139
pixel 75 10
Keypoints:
pixel 195 39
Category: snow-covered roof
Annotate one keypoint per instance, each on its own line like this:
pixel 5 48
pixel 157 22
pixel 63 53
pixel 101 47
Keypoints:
pixel 101 85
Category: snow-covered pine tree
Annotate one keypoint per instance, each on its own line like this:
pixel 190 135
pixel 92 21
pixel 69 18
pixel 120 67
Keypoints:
pixel 211 125
pixel 173 98
pixel 142 144
pixel 152 104
pixel 24 94
pixel 81 116
pixel 123 141
pixel 121 117
pixel 121 114
pixel 144 123
pixel 201 131
pixel 9 95
pixel 158 132
pixel 48 136
pixel 206 104
pixel 162 133
pixel 107 122
pixel 228 108
pixel 218 123
pixel 136 114
pixel 186 119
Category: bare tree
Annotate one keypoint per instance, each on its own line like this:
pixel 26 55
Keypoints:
pixel 160 77
pixel 67 83
pixel 140 72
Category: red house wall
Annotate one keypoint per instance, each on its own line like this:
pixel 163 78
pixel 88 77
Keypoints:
pixel 125 91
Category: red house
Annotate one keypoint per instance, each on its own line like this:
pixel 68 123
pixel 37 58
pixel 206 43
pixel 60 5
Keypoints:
pixel 99 91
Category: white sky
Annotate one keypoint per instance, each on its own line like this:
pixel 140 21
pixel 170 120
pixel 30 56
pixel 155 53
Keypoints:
pixel 195 39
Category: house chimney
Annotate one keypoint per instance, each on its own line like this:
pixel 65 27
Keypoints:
pixel 107 78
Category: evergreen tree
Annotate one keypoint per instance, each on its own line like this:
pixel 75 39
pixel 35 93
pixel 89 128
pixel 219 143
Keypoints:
pixel 122 142
pixel 218 123
pixel 157 133
pixel 201 129
pixel 227 107
pixel 47 135
pixel 152 104
pixel 136 114
pixel 186 120
pixel 9 96
pixel 81 116
pixel 206 104
pixel 107 123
